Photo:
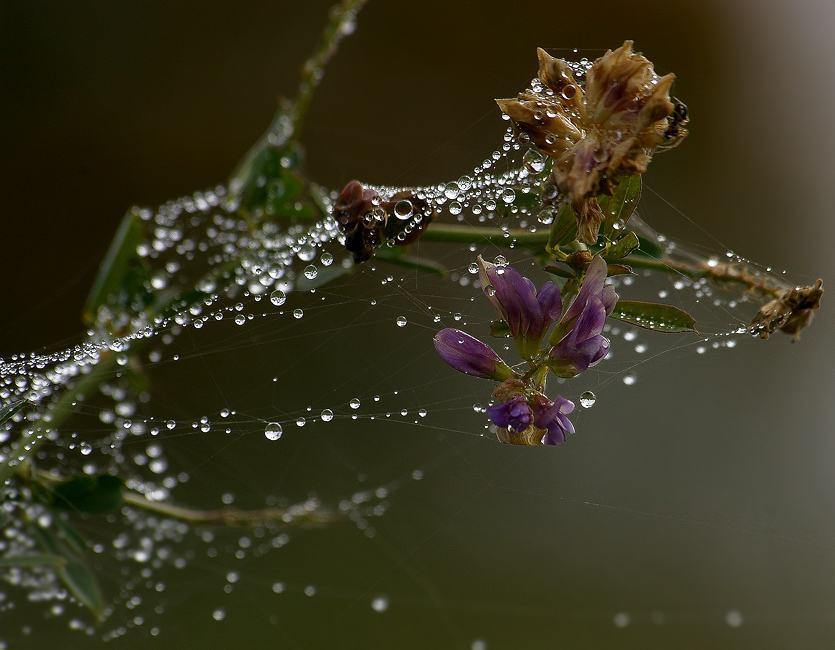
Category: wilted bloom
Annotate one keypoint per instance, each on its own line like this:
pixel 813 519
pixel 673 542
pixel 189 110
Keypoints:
pixel 528 312
pixel 524 419
pixel 469 355
pixel 366 219
pixel 578 341
pixel 789 313
pixel 596 134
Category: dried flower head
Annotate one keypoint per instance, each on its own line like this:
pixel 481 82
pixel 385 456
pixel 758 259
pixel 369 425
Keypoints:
pixel 367 220
pixel 597 133
pixel 789 313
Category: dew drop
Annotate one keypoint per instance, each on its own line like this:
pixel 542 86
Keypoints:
pixel 465 183
pixel 300 422
pixel 354 403
pixel 380 604
pixel 273 431
pixel 630 380
pixel 546 217
pixel 455 208
pixel 451 190
pixel 219 614
pixel 298 313
pixel 587 399
pixel 401 321
pixel 240 319
pixel 327 415
pixel 473 268
pixel 508 196
pixel 490 290
pixel 310 272
pixel 403 209
pixel 170 424
pixel 278 297
pixel 326 259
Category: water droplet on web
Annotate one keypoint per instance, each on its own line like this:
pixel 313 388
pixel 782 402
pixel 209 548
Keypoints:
pixel 240 319
pixel 219 614
pixel 327 415
pixel 629 380
pixel 455 208
pixel 170 424
pixel 401 321
pixel 273 431
pixel 546 217
pixel 403 209
pixel 508 195
pixel 300 422
pixel 326 259
pixel 587 399
pixel 354 403
pixel 473 268
pixel 298 313
pixel 500 260
pixel 278 297
pixel 422 413
pixel 451 190
pixel 311 272
pixel 465 183
pixel 380 604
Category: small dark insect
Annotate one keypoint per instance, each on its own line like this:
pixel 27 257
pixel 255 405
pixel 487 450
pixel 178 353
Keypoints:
pixel 676 125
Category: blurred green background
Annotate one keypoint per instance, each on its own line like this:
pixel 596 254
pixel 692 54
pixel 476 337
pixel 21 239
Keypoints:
pixel 714 473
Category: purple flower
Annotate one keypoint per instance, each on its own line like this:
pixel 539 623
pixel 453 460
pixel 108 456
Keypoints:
pixel 514 414
pixel 528 312
pixel 578 342
pixel 583 346
pixel 540 420
pixel 469 355
pixel 551 416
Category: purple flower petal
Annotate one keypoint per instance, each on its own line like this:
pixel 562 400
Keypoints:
pixel 551 416
pixel 514 414
pixel 469 355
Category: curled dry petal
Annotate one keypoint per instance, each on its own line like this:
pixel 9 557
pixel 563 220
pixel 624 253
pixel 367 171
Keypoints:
pixel 789 313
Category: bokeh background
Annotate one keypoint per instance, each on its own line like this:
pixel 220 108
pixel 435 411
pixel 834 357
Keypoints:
pixel 714 471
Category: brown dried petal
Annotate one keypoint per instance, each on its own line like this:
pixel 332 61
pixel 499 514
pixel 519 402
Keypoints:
pixel 589 217
pixel 614 80
pixel 556 74
pixel 550 130
pixel 790 313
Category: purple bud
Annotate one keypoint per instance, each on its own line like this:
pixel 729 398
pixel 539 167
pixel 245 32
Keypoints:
pixel 469 355
pixel 514 414
pixel 583 346
pixel 551 416
pixel 528 312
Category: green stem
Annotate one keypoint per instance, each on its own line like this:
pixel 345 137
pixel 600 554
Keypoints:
pixel 227 516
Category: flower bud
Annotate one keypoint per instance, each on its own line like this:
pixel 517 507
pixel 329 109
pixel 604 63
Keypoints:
pixel 469 355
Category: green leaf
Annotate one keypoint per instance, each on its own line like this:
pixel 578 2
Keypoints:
pixel 618 269
pixel 91 494
pixel 34 559
pixel 648 248
pixel 74 574
pixel 120 262
pixel 8 411
pixel 620 206
pixel 654 316
pixel 70 534
pixel 500 329
pixel 625 245
pixel 564 227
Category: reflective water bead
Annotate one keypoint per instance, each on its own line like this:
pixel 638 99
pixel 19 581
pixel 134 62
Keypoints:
pixel 298 313
pixel 401 321
pixel 403 209
pixel 587 399
pixel 273 431
pixel 240 319
pixel 354 403
pixel 327 415
pixel 326 259
pixel 278 297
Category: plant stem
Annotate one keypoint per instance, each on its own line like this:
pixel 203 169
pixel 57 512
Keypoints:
pixel 229 516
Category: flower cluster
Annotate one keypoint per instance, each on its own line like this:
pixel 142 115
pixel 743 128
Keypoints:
pixel 599 132
pixel 523 414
